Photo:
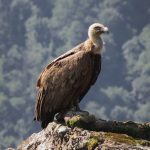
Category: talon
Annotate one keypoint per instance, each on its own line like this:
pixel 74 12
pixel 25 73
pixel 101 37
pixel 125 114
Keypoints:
pixel 59 117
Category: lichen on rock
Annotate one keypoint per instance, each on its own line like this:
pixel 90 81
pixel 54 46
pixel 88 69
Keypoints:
pixel 92 143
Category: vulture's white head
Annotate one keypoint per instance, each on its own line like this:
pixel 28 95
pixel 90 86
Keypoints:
pixel 94 32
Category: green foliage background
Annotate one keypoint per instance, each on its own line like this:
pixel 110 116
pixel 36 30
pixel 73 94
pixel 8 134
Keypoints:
pixel 34 32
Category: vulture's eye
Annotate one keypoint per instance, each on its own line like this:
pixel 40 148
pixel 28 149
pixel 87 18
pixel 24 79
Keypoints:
pixel 97 28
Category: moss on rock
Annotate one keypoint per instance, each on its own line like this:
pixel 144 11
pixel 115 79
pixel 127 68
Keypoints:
pixel 144 142
pixel 74 121
pixel 92 143
pixel 122 138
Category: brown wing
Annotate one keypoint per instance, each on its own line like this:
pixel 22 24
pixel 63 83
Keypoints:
pixel 71 52
pixel 65 80
pixel 96 72
pixel 55 79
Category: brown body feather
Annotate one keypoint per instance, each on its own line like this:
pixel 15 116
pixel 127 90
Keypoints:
pixel 65 81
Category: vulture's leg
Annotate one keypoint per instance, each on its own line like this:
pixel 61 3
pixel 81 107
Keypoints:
pixel 77 105
pixel 77 108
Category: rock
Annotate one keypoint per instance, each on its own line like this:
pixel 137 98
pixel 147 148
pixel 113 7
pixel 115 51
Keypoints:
pixel 83 131
pixel 62 130
pixel 78 138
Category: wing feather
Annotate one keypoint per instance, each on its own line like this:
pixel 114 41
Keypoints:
pixel 67 54
pixel 96 72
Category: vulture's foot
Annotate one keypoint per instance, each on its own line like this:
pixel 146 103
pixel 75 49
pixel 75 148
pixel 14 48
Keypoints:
pixel 82 113
pixel 73 112
pixel 59 117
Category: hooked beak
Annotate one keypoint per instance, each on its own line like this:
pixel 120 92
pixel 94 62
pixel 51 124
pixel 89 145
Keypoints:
pixel 105 30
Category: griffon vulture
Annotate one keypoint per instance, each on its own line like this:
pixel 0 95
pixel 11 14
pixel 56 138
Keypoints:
pixel 65 81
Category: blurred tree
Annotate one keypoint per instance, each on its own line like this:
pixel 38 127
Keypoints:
pixel 136 53
pixel 34 32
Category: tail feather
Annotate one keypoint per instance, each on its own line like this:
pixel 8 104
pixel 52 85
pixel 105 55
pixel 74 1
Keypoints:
pixel 40 114
pixel 39 104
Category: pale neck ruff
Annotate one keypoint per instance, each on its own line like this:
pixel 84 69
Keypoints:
pixel 98 43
